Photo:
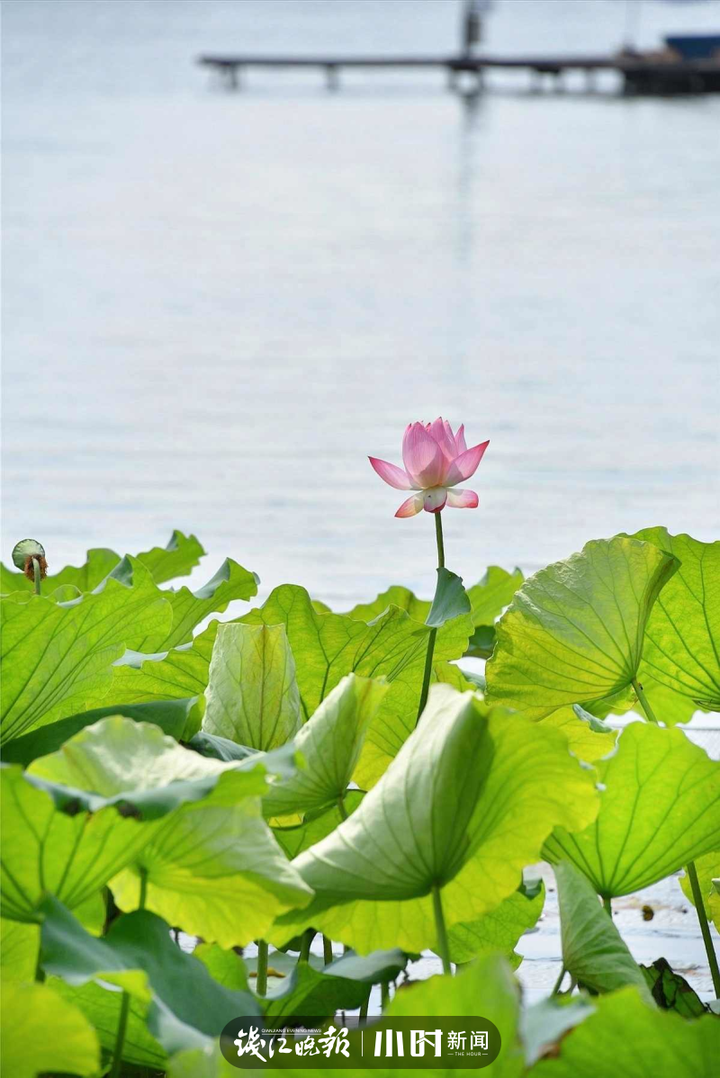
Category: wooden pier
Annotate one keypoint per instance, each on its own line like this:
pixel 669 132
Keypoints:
pixel 642 75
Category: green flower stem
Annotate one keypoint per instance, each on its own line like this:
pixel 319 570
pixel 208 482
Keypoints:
pixel 143 888
pixel 327 951
pixel 443 945
pixel 362 1015
pixel 307 938
pixel 704 926
pixel 36 574
pixel 120 1038
pixel 559 981
pixel 439 538
pixel 607 904
pixel 341 807
pixel 644 701
pixel 125 1002
pixel 692 875
pixel 262 967
pixel 384 994
pixel 433 632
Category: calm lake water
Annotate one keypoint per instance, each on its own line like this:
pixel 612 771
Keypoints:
pixel 216 305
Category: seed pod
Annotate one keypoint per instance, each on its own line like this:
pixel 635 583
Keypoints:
pixel 23 554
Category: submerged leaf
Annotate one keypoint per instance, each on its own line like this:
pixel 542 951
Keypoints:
pixel 671 991
pixel 659 809
pixel 574 631
pixel 252 695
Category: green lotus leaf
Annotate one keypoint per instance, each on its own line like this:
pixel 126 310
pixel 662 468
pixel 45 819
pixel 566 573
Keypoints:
pixel 19 949
pixel 178 558
pixel 57 657
pixel 329 646
pixel 574 631
pixel 545 1023
pixel 499 930
pixel 585 735
pixel 593 950
pixel 99 563
pixel 708 871
pixel 627 1037
pixel 168 675
pixel 179 719
pixel 219 748
pixel 485 988
pixel 42 1032
pixel 183 1001
pixel 101 1006
pixel 190 607
pixel 309 988
pixel 313 992
pixel 70 853
pixel 301 836
pixel 397 595
pixel 450 599
pixel 489 598
pixel 330 744
pixel 252 695
pixel 215 869
pixel 660 808
pixel 396 718
pixel 466 804
pixel 668 706
pixel 682 645
pixel 225 967
pixel 210 859
pixel 117 757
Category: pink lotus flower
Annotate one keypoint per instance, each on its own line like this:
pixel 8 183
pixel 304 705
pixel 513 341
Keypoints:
pixel 435 460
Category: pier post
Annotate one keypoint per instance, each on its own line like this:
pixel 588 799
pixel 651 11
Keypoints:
pixel 332 77
pixel 590 83
pixel 451 78
pixel 233 76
